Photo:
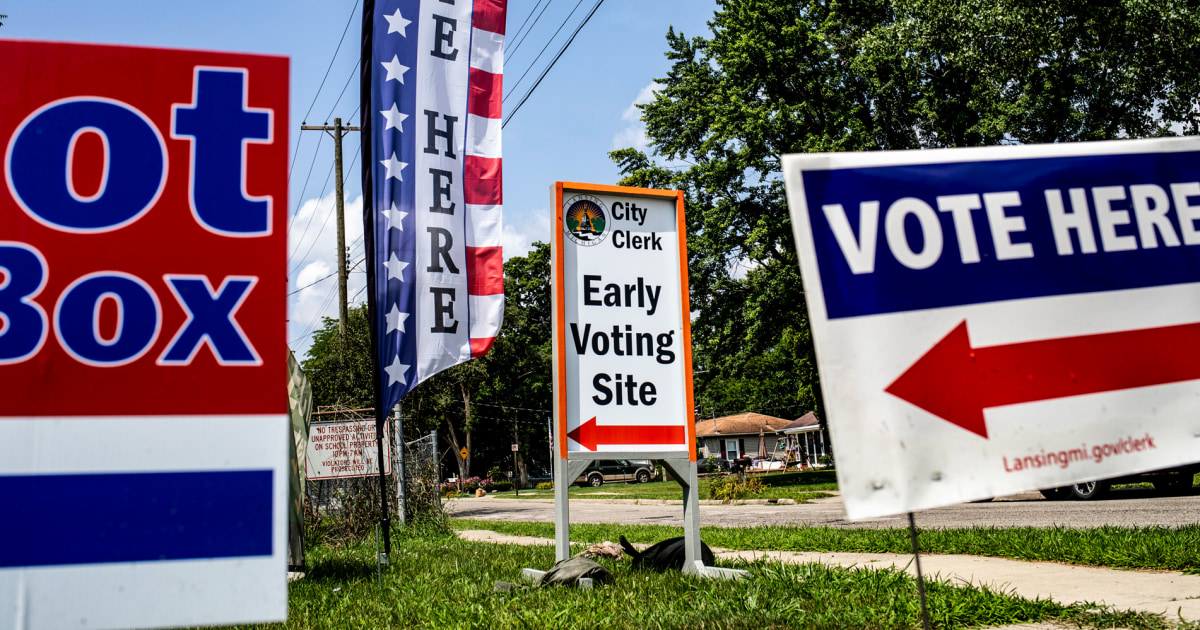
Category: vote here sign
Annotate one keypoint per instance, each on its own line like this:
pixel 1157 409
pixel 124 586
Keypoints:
pixel 144 416
pixel 994 320
pixel 622 336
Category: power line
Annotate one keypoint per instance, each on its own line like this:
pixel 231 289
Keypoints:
pixel 548 68
pixel 328 300
pixel 324 278
pixel 324 187
pixel 521 38
pixel 300 199
pixel 543 50
pixel 335 54
pixel 343 93
pixel 327 215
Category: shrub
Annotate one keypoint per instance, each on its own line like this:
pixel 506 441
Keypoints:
pixel 545 485
pixel 730 488
pixel 502 486
pixel 825 460
pixel 471 484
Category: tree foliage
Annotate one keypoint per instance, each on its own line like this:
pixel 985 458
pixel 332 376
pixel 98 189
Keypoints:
pixel 485 404
pixel 339 366
pixel 788 76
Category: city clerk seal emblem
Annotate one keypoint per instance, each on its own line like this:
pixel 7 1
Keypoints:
pixel 586 220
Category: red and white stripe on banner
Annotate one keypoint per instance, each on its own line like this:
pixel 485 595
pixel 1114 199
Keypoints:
pixel 482 177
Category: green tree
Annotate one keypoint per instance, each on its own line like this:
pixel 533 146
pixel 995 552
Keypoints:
pixel 339 366
pixel 788 76
pixel 486 404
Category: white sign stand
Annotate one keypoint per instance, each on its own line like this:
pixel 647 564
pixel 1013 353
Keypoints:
pixel 622 344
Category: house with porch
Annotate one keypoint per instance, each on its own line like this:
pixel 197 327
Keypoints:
pixel 731 437
pixel 805 439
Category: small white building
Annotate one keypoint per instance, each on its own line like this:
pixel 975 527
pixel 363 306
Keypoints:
pixel 731 437
pixel 805 436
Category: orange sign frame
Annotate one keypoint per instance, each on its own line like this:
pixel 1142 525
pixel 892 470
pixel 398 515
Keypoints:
pixel 559 305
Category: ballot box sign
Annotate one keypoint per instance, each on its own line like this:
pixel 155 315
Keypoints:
pixel 622 337
pixel 142 337
pixel 995 320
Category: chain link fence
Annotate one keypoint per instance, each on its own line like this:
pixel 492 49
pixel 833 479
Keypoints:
pixel 347 508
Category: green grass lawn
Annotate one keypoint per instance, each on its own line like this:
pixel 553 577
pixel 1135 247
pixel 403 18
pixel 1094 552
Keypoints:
pixel 438 581
pixel 1162 548
pixel 800 486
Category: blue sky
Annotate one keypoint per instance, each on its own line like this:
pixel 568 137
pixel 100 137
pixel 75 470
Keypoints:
pixel 581 110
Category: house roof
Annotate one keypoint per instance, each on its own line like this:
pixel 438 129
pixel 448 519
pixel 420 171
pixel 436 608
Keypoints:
pixel 807 422
pixel 739 424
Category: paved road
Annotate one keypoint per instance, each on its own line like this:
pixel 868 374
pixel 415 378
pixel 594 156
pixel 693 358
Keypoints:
pixel 1125 507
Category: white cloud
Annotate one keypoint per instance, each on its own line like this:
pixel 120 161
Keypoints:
pixel 312 258
pixel 312 277
pixel 634 132
pixel 518 237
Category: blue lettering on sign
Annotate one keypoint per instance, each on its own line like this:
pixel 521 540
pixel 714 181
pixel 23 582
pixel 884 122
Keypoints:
pixel 210 319
pixel 77 319
pixel 901 238
pixel 40 158
pixel 23 324
pixel 219 124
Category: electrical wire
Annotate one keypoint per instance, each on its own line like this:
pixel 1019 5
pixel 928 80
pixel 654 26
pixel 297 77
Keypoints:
pixel 312 324
pixel 328 214
pixel 521 38
pixel 335 54
pixel 326 277
pixel 324 187
pixel 300 199
pixel 343 93
pixel 548 68
pixel 543 50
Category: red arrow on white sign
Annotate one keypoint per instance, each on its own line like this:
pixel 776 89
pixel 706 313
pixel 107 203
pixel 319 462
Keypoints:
pixel 589 434
pixel 957 382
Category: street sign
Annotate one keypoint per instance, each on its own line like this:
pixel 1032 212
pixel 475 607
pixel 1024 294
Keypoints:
pixel 994 320
pixel 516 447
pixel 142 337
pixel 622 335
pixel 345 450
pixel 464 452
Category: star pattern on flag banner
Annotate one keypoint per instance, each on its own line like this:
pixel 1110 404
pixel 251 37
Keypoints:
pixel 436 271
pixel 395 71
pixel 394 258
pixel 394 118
pixel 395 268
pixel 394 217
pixel 394 167
pixel 396 371
pixel 397 23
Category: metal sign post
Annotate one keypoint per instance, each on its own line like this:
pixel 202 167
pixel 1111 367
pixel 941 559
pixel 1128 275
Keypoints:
pixel 622 343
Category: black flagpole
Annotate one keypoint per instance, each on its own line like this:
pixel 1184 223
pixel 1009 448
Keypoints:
pixel 368 207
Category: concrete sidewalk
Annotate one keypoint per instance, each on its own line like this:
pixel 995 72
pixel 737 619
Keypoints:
pixel 1170 594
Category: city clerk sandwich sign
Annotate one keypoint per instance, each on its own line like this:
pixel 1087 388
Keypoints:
pixel 1002 319
pixel 622 335
pixel 144 415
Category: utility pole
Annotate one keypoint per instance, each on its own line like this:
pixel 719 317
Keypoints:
pixel 337 131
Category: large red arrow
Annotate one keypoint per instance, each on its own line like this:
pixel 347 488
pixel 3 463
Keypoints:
pixel 589 434
pixel 957 382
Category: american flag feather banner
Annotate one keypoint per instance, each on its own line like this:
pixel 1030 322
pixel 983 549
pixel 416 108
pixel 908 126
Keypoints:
pixel 431 95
